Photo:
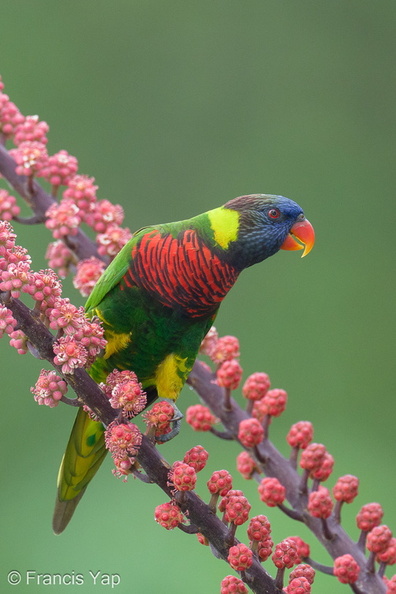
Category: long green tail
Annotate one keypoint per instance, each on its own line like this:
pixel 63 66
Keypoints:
pixel 84 454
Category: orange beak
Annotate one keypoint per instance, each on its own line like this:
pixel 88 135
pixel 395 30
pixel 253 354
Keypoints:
pixel 301 236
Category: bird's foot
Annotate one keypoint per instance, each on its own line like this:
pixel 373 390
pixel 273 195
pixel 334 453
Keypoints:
pixel 175 422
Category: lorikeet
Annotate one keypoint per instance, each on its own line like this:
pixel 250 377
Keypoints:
pixel 158 299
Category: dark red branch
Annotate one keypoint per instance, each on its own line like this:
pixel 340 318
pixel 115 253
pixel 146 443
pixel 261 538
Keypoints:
pixel 273 464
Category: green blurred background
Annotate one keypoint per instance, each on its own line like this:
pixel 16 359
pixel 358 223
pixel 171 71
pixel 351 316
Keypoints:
pixel 176 107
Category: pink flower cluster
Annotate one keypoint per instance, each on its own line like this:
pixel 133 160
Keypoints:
pixel 88 273
pixel 31 157
pixel 49 388
pixel 8 206
pixel 200 418
pixel 125 392
pixel 59 168
pixel 168 515
pixel 246 465
pixel 79 340
pixel 63 218
pixel 158 418
pixel 78 203
pixel 7 321
pixel 61 258
pixel 31 129
pixel 224 352
pixel 10 116
pixel 263 403
pixel 196 457
pixel 182 477
pixel 123 441
pixel 286 554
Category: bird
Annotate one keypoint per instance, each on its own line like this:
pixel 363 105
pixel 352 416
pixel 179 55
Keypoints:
pixel 158 299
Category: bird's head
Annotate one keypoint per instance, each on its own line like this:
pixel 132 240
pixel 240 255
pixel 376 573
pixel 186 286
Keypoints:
pixel 266 224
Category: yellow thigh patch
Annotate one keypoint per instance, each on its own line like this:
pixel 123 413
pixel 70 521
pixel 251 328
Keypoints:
pixel 171 375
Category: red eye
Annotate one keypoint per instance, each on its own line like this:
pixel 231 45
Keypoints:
pixel 274 213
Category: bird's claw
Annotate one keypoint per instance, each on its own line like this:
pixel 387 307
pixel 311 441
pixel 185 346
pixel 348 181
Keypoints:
pixel 176 422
